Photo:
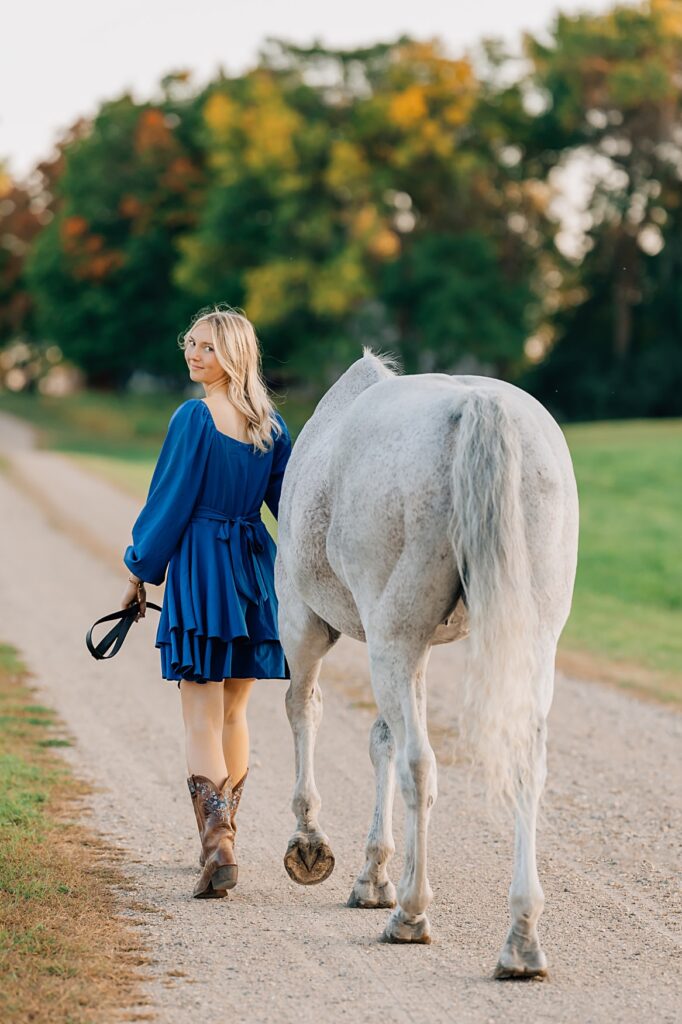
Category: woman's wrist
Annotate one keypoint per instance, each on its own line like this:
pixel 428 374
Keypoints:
pixel 134 579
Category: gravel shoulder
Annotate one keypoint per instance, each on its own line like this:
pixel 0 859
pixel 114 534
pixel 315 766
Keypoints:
pixel 609 843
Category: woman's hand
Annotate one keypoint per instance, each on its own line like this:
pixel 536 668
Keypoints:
pixel 134 592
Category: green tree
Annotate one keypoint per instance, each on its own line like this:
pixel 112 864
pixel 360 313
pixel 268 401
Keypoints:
pixel 613 98
pixel 21 219
pixel 101 271
pixel 374 207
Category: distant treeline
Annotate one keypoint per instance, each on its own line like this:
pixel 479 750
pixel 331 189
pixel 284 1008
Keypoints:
pixel 394 196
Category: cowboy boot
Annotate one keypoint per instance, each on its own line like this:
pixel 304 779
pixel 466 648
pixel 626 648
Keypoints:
pixel 234 804
pixel 213 812
pixel 234 800
pixel 194 794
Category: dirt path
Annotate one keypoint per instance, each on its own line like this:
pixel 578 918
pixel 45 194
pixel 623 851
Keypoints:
pixel 609 844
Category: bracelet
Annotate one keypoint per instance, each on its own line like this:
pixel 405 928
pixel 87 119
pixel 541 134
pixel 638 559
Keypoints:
pixel 139 583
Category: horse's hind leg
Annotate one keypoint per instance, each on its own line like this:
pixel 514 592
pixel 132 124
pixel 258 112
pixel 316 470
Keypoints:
pixel 373 888
pixel 522 956
pixel 306 639
pixel 398 680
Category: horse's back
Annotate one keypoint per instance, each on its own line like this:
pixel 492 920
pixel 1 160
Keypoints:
pixel 411 413
pixel 369 485
pixel 401 434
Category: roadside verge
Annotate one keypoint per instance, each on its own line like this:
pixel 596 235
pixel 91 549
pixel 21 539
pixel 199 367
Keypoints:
pixel 67 952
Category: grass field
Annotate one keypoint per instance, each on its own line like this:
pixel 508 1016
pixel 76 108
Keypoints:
pixel 626 623
pixel 65 953
pixel 628 598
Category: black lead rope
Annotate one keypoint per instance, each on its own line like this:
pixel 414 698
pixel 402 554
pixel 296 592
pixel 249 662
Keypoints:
pixel 117 635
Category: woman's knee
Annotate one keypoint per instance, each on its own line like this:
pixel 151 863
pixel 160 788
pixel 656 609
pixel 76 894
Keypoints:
pixel 236 698
pixel 201 704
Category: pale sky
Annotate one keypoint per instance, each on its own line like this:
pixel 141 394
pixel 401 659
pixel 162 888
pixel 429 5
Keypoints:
pixel 60 60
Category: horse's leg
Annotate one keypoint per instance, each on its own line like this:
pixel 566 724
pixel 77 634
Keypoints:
pixel 373 888
pixel 398 680
pixel 522 955
pixel 306 639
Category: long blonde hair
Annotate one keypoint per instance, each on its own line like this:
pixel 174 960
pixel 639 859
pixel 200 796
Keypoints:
pixel 237 350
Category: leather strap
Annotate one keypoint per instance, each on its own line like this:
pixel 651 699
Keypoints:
pixel 115 637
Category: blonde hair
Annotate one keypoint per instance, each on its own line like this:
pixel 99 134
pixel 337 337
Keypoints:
pixel 237 350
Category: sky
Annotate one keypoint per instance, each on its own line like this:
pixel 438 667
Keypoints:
pixel 60 60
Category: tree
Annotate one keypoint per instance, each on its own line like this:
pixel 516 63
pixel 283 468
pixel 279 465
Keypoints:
pixel 612 84
pixel 21 219
pixel 101 271
pixel 363 203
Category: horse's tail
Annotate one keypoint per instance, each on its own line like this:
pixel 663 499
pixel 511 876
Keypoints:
pixel 498 717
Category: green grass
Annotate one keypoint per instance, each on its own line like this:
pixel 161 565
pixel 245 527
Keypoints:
pixel 65 955
pixel 628 596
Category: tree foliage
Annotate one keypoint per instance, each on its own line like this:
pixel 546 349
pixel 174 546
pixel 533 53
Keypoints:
pixel 394 195
pixel 101 270
pixel 613 85
pixel 20 222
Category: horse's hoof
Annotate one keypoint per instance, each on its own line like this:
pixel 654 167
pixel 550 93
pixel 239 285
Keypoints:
pixel 308 859
pixel 504 973
pixel 400 929
pixel 368 896
pixel 521 959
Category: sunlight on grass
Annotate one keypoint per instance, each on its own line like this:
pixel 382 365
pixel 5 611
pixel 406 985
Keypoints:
pixel 628 595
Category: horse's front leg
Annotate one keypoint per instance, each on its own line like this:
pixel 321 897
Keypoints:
pixel 306 639
pixel 373 888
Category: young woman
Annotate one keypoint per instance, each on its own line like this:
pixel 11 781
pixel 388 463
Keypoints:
pixel 223 455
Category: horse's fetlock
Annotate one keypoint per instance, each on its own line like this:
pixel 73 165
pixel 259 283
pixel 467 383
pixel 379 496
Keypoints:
pixel 306 808
pixel 526 912
pixel 414 899
pixel 379 853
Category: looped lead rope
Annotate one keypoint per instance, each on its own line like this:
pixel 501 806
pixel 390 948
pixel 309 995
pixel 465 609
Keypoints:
pixel 115 637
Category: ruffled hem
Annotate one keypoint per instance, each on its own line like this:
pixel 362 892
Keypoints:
pixel 208 659
pixel 201 595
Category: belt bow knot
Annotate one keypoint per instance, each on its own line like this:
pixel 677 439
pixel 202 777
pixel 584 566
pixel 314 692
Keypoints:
pixel 241 534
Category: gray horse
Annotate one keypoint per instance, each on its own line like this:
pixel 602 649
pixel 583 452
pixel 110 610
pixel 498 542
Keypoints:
pixel 416 510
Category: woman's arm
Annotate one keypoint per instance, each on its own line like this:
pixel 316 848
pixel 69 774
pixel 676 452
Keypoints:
pixel 279 464
pixel 172 494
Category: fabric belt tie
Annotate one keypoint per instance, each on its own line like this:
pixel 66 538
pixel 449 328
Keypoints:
pixel 240 533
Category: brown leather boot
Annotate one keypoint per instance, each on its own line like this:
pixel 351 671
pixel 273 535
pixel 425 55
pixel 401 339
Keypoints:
pixel 233 803
pixel 193 792
pixel 214 808
pixel 236 797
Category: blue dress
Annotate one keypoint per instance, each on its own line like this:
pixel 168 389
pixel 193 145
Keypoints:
pixel 201 524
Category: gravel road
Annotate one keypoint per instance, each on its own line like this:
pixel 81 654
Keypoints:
pixel 609 842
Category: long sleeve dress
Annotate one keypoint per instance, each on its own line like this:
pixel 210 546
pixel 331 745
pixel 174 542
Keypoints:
pixel 201 526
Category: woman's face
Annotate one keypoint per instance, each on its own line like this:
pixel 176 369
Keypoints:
pixel 200 356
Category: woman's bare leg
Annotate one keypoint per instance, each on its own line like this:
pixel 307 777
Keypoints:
pixel 202 712
pixel 235 737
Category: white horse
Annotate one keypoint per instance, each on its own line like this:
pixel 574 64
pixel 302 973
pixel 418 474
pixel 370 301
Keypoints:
pixel 415 509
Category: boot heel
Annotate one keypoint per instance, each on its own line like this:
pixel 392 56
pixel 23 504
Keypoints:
pixel 225 877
